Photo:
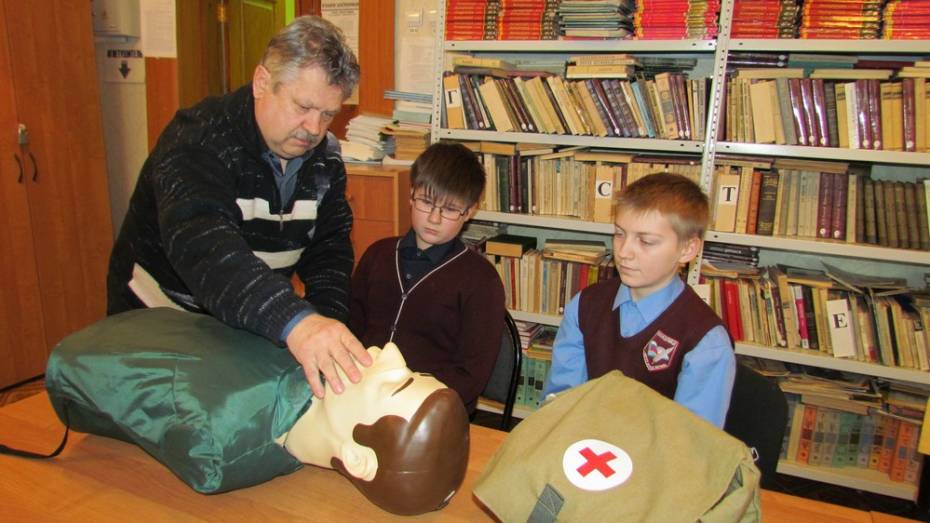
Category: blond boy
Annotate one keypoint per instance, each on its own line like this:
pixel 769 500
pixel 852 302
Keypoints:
pixel 648 323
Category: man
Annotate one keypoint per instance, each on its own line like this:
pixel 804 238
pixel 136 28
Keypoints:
pixel 243 191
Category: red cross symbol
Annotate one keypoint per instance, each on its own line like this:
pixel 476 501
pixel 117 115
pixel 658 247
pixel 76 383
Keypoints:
pixel 596 461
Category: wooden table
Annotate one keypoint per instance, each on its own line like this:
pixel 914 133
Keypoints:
pixel 100 479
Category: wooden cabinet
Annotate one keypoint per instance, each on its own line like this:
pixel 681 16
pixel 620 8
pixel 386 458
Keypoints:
pixel 380 201
pixel 55 228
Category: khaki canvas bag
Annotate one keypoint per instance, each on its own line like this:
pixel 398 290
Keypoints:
pixel 615 450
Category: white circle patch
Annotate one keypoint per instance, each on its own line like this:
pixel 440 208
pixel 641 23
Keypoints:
pixel 592 464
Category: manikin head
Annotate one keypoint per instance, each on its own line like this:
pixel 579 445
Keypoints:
pixel 401 437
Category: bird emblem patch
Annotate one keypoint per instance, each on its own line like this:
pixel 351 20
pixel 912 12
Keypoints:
pixel 659 351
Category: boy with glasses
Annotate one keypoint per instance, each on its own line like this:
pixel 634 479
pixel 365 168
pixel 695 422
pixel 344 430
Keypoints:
pixel 439 302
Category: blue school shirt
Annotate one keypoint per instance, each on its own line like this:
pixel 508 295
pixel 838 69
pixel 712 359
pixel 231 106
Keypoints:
pixel 706 378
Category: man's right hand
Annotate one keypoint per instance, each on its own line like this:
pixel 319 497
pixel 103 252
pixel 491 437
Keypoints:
pixel 319 344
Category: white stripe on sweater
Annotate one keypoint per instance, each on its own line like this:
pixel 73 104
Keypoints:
pixel 260 209
pixel 280 260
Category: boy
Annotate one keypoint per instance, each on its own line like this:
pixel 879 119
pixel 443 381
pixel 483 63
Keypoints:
pixel 441 303
pixel 668 338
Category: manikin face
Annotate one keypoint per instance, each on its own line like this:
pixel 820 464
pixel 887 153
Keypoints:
pixel 400 437
pixel 387 387
pixel 293 118
pixel 431 228
pixel 647 251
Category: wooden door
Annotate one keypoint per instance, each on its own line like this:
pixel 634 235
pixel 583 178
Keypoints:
pixel 53 64
pixel 252 23
pixel 22 340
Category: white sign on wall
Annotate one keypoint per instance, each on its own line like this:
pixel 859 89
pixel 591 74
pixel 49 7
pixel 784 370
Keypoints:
pixel 122 63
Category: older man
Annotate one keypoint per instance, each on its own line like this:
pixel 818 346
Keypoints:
pixel 243 191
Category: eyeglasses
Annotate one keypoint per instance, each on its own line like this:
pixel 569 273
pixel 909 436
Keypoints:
pixel 447 213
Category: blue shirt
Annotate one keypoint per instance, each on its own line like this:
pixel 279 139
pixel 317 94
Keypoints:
pixel 706 379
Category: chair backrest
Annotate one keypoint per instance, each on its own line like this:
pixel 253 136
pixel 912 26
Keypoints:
pixel 502 387
pixel 758 416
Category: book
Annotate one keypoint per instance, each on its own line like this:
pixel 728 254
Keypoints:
pixel 727 192
pixel 512 245
pixel 768 194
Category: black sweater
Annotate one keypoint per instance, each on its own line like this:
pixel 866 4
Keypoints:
pixel 206 221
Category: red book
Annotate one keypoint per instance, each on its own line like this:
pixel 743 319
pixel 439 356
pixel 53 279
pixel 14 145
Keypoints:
pixel 809 113
pixel 825 206
pixel 803 333
pixel 840 194
pixel 820 109
pixel 797 110
pixel 875 113
pixel 733 320
pixel 807 432
pixel 864 114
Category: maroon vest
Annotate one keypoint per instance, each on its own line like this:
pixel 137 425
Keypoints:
pixel 653 356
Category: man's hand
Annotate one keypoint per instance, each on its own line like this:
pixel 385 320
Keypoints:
pixel 319 344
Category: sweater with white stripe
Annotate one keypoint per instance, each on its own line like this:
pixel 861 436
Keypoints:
pixel 207 222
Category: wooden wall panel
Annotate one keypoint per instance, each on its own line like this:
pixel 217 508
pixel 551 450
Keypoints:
pixel 375 57
pixel 161 95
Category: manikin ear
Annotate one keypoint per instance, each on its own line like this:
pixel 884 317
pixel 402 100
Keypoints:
pixel 690 249
pixel 261 81
pixel 359 461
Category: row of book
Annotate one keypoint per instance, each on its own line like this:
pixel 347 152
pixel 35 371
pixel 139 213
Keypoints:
pixel 571 182
pixel 502 20
pixel 595 19
pixel 673 19
pixel 831 438
pixel 787 307
pixel 676 19
pixel 543 281
pixel 856 114
pixel 668 106
pixel 820 200
pixel 534 368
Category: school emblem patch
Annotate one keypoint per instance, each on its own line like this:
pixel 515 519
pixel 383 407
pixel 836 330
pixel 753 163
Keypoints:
pixel 659 351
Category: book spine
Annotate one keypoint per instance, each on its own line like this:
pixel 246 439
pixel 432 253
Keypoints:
pixel 797 110
pixel 863 116
pixel 891 214
pixel 840 206
pixel 833 132
pixel 810 112
pixel 923 220
pixel 908 114
pixel 901 215
pixel 870 214
pixel 820 110
pixel 875 115
pixel 825 206
pixel 767 201
pixel 753 212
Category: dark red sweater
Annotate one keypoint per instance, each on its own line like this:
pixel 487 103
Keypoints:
pixel 450 324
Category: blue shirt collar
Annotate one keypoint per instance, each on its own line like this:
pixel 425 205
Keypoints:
pixel 654 304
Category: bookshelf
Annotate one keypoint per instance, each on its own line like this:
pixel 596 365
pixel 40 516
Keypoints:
pixel 713 56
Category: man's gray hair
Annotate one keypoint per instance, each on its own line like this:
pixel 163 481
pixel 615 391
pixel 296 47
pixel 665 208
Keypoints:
pixel 311 41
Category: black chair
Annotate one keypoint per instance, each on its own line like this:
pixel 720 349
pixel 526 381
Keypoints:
pixel 758 416
pixel 502 387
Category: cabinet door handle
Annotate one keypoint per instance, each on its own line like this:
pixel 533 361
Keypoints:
pixel 35 167
pixel 20 164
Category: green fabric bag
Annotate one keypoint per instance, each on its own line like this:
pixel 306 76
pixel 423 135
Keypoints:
pixel 203 398
pixel 613 449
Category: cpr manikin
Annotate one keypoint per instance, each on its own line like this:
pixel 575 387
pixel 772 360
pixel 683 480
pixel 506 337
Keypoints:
pixel 401 437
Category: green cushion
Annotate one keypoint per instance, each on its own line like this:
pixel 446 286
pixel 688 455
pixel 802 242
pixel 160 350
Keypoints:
pixel 204 399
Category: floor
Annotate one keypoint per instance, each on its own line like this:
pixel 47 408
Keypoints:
pixel 788 484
